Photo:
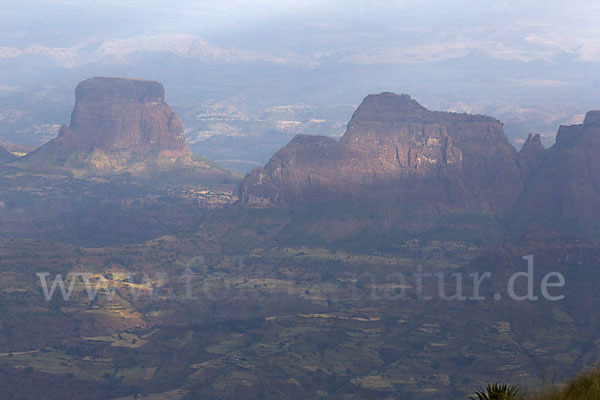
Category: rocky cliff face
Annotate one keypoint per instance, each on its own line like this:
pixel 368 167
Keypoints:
pixel 116 115
pixel 531 156
pixel 397 151
pixel 564 190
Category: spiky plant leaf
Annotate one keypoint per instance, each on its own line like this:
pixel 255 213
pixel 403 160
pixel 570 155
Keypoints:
pixel 496 391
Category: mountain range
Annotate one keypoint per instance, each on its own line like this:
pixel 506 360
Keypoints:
pixel 298 268
pixel 317 88
pixel 407 169
pixel 398 157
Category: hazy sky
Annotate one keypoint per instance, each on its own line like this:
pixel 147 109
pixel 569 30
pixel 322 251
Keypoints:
pixel 533 62
pixel 426 30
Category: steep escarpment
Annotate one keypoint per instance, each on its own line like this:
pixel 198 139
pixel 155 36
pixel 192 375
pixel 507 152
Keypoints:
pixel 531 156
pixel 563 192
pixel 395 150
pixel 118 117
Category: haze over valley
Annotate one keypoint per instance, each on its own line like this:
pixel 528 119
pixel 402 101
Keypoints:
pixel 246 79
pixel 285 200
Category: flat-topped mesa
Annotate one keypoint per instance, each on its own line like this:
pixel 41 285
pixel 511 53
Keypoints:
pixel 386 109
pixel 116 115
pixel 403 134
pixel 121 113
pixel 387 114
pixel 394 147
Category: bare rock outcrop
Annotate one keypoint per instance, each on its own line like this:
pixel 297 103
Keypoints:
pixel 120 116
pixel 563 192
pixel 395 150
pixel 531 155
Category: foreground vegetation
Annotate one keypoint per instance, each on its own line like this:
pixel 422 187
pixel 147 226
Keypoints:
pixel 584 387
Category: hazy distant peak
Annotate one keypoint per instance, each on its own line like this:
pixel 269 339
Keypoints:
pixel 121 50
pixel 592 117
pixel 533 142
